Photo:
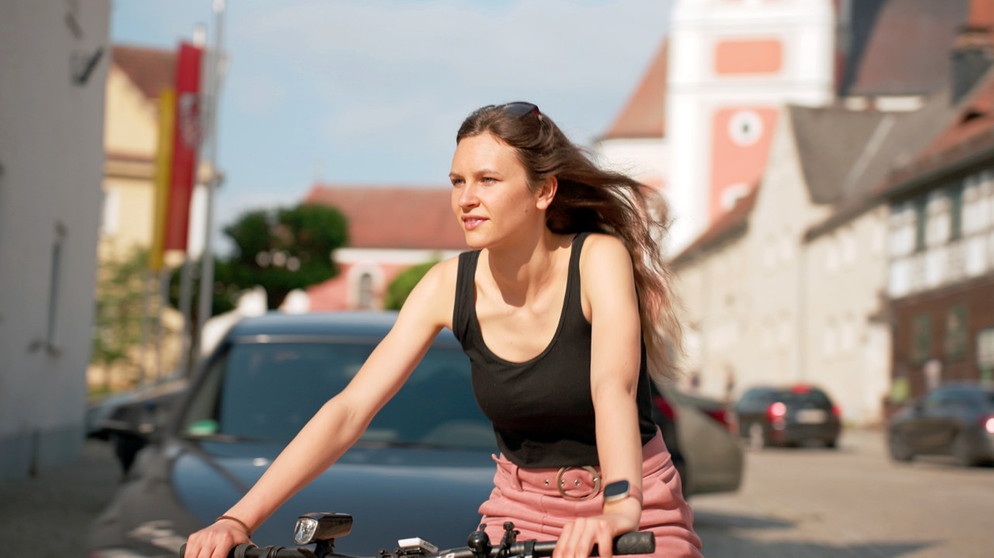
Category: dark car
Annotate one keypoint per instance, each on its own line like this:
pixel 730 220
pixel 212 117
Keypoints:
pixel 421 469
pixel 126 419
pixel 788 416
pixel 955 419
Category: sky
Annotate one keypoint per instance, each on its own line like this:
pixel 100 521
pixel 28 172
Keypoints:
pixel 371 92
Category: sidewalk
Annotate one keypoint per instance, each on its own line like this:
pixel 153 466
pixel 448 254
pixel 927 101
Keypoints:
pixel 48 516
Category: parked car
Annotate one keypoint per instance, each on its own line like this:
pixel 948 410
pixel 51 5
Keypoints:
pixel 701 434
pixel 428 449
pixel 126 419
pixel 955 419
pixel 788 416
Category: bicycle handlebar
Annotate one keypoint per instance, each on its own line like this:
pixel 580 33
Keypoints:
pixel 640 542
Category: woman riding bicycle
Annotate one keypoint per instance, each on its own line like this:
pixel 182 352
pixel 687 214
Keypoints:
pixel 563 307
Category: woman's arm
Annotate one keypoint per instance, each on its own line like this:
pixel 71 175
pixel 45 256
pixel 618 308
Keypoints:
pixel 611 304
pixel 341 421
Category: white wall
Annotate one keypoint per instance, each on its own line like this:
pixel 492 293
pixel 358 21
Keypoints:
pixel 51 155
pixel 847 345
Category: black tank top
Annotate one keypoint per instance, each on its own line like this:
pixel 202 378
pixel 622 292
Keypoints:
pixel 541 409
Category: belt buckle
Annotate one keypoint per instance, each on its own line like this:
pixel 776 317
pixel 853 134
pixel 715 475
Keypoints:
pixel 560 483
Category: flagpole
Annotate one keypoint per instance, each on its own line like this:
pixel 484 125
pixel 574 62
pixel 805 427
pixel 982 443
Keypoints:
pixel 189 342
pixel 214 70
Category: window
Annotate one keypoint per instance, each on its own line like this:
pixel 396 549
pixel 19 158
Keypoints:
pixel 848 242
pixel 831 255
pixel 111 216
pixel 366 291
pixel 920 338
pixel 921 220
pixel 956 331
pixel 956 212
pixel 830 342
pixel 847 333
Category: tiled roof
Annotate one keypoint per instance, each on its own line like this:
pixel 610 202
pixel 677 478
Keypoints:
pixel 394 217
pixel 150 69
pixel 833 145
pixel 865 147
pixel 968 136
pixel 728 226
pixel 644 115
pixel 907 51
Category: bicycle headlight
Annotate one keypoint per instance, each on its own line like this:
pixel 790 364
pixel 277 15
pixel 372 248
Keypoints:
pixel 303 531
pixel 321 526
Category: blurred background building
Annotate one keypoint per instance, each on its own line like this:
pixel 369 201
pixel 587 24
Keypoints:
pixel 129 294
pixel 808 245
pixel 53 63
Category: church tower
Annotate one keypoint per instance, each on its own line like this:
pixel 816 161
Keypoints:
pixel 733 64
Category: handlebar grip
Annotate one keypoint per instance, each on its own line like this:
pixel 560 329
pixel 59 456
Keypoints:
pixel 247 550
pixel 640 542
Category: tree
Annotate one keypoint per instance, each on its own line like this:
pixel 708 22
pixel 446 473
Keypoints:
pixel 282 250
pixel 400 288
pixel 120 308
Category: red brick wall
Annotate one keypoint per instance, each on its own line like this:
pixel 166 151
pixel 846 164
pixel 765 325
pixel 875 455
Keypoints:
pixel 976 296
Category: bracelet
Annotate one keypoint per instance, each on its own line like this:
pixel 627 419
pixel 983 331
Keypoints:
pixel 236 520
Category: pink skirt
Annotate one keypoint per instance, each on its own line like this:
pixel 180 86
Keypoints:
pixel 530 498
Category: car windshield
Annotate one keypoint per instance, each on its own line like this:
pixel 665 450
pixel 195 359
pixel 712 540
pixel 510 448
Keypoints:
pixel 268 391
pixel 799 398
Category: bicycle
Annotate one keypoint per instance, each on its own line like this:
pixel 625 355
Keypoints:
pixel 322 528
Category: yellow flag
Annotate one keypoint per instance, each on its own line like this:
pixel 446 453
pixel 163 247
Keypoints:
pixel 163 177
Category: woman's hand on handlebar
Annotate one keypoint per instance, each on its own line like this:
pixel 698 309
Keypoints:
pixel 579 536
pixel 214 541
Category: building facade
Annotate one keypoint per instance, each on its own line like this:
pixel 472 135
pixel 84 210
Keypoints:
pixel 732 65
pixel 391 229
pixel 941 254
pixel 53 63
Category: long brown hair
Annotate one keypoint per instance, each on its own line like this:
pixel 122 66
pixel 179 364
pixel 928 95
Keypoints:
pixel 597 200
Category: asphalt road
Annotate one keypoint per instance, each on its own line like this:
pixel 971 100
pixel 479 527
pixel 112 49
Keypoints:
pixel 803 502
pixel 47 516
pixel 816 502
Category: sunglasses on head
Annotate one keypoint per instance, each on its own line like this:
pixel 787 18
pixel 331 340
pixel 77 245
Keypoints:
pixel 520 109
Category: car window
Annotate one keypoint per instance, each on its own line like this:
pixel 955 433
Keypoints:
pixel 268 391
pixel 816 397
pixel 755 397
pixel 935 399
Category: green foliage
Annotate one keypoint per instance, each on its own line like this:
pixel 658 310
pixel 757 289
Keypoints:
pixel 120 309
pixel 283 250
pixel 400 288
pixel 223 298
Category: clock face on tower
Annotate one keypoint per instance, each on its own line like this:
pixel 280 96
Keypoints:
pixel 740 131
pixel 740 139
pixel 745 127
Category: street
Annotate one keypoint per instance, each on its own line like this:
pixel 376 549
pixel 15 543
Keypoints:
pixel 802 502
pixel 849 502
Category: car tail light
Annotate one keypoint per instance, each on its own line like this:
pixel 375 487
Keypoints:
pixel 836 410
pixel 776 412
pixel 724 417
pixel 664 407
pixel 987 423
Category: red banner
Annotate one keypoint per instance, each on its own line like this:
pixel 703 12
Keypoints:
pixel 186 141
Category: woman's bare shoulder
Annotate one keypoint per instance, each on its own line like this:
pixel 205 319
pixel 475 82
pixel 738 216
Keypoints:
pixel 604 262
pixel 600 245
pixel 434 295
